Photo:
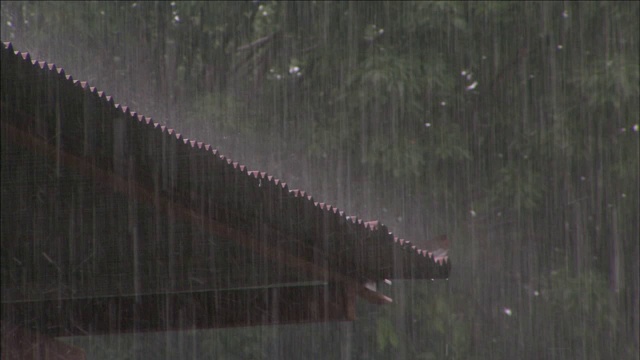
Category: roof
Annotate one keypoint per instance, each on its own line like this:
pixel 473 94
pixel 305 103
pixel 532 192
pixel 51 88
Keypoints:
pixel 81 130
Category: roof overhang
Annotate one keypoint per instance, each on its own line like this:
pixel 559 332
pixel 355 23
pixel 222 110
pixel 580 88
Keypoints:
pixel 156 223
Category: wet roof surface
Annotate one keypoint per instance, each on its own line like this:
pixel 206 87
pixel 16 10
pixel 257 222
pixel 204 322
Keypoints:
pixel 111 137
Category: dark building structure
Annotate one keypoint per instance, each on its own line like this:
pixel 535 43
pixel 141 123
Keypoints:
pixel 114 223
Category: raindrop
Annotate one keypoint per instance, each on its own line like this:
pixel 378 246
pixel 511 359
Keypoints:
pixel 635 127
pixel 469 76
pixel 102 12
pixel 173 4
pixel 559 46
pixel 472 86
pixel 176 18
pixel 443 103
pixel 381 31
pixel 293 69
pixel 264 13
pixel 583 178
pixel 473 213
pixel 134 5
pixel 623 130
pixel 536 293
pixel 507 311
pixel 9 24
pixel 427 124
pixel 624 195
pixel 463 73
pixel 565 14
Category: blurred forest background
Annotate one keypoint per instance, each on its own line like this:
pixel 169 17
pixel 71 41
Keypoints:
pixel 512 127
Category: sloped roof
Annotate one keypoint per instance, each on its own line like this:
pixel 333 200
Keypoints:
pixel 96 129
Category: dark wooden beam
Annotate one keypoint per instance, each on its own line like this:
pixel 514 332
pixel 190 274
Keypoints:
pixel 183 311
pixel 133 189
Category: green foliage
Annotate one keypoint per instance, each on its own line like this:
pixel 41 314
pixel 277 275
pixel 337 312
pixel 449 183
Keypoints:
pixel 425 324
pixel 589 316
pixel 450 143
pixel 266 20
pixel 386 335
pixel 518 186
